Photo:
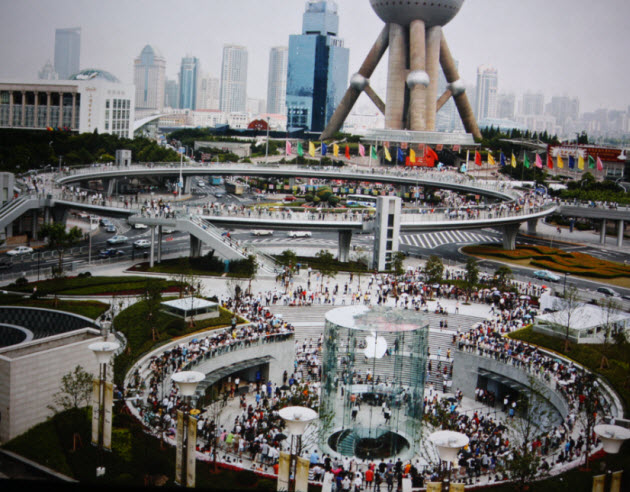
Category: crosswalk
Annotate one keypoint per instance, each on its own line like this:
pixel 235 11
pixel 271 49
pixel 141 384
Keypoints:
pixel 431 240
pixel 308 241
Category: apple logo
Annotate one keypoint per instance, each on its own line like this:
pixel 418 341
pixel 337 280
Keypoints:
pixel 375 346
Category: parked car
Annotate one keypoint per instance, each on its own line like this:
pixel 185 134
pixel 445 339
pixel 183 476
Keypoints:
pixel 110 228
pixel 607 291
pixel 296 234
pixel 20 250
pixel 262 232
pixel 117 239
pixel 110 252
pixel 142 243
pixel 546 275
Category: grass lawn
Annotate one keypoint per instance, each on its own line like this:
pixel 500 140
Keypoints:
pixel 89 309
pixel 314 263
pixel 178 266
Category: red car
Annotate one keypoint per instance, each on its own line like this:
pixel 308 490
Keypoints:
pixel 289 198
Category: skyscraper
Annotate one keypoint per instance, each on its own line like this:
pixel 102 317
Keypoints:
pixel 234 79
pixel 188 82
pixel 317 69
pixel 277 80
pixel 208 91
pixel 67 51
pixel 171 94
pixel 487 85
pixel 533 104
pixel 149 79
pixel 505 106
pixel 47 72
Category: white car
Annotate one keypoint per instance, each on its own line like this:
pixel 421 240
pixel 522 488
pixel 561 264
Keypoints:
pixel 117 239
pixel 262 232
pixel 142 243
pixel 296 234
pixel 20 250
pixel 140 226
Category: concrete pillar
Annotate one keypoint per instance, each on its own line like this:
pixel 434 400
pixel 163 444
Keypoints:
pixel 509 236
pixel 74 110
pixel 11 102
pixel 48 102
pixel 36 110
pixel 188 184
pixel 159 245
pixel 110 186
pixel 60 119
pixel 152 253
pixel 620 230
pixel 459 94
pixel 60 214
pixel 396 75
pixel 531 226
pixel 418 78
pixel 35 227
pixel 195 247
pixel 345 238
pixel 434 36
pixel 602 233
pixel 23 120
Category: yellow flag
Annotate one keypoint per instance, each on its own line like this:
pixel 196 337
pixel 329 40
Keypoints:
pixel 491 159
pixel 311 149
pixel 581 162
pixel 513 161
pixel 336 150
pixel 560 162
pixel 387 154
pixel 412 156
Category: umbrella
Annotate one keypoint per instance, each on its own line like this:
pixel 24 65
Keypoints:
pixel 452 399
pixel 527 316
pixel 284 387
pixel 525 297
pixel 279 437
pixel 436 286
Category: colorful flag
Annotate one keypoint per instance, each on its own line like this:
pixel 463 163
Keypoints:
pixel 491 159
pixel 373 154
pixel 600 164
pixel 311 149
pixel 300 151
pixel 571 162
pixel 591 162
pixel 580 162
pixel 287 148
pixel 324 149
pixel 388 156
pixel 412 156
pixel 478 158
pixel 502 159
pixel 513 160
pixel 431 156
pixel 361 150
pixel 549 162
pixel 538 162
pixel 400 155
pixel 335 150
pixel 347 152
pixel 525 160
pixel 560 162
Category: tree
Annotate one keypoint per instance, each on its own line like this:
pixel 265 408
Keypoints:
pixel 74 392
pixel 326 266
pixel 590 409
pixel 288 258
pixel 152 297
pixel 397 265
pixel 434 269
pixel 503 275
pixel 566 316
pixel 610 307
pixel 61 239
pixel 472 275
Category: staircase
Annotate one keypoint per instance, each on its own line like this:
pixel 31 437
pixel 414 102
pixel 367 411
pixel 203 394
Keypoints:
pixel 346 443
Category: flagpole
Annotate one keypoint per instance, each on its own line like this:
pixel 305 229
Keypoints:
pixel 522 171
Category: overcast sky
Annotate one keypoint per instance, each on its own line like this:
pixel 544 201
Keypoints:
pixel 558 47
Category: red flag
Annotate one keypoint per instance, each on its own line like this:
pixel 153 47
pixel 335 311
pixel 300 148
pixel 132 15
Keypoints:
pixel 478 158
pixel 431 157
pixel 600 164
pixel 347 152
pixel 549 161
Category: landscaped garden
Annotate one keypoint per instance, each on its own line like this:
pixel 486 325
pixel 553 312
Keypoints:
pixel 204 265
pixel 89 309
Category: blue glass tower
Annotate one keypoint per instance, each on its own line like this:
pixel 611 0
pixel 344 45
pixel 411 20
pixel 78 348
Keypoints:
pixel 317 72
pixel 188 82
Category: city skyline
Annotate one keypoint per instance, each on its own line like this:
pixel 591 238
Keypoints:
pixel 573 62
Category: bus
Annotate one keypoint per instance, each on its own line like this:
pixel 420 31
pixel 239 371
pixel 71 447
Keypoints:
pixel 361 200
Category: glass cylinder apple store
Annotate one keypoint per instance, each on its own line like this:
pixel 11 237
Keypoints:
pixel 373 373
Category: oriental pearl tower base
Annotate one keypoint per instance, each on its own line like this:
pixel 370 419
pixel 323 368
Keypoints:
pixel 417 47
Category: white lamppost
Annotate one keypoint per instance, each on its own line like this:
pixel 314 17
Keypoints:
pixel 102 401
pixel 296 419
pixel 187 382
pixel 612 437
pixel 448 443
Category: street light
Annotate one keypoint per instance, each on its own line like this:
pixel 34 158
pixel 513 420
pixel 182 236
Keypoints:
pixel 102 400
pixel 187 382
pixel 564 294
pixel 296 419
pixel 267 144
pixel 612 437
pixel 448 444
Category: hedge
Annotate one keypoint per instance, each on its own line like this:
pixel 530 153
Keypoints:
pixel 87 285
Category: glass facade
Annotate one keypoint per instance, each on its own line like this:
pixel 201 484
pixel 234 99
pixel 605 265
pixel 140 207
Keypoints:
pixel 373 373
pixel 188 83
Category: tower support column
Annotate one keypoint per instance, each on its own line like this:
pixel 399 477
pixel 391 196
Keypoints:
pixel 417 79
pixel 434 36
pixel 396 70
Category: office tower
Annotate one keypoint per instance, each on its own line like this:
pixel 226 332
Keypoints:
pixel 234 79
pixel 171 94
pixel 208 91
pixel 188 82
pixel 564 108
pixel 67 52
pixel 533 104
pixel 317 71
pixel 487 85
pixel 149 79
pixel 506 104
pixel 47 72
pixel 277 80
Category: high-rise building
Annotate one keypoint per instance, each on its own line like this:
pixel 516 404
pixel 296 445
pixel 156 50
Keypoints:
pixel 149 79
pixel 533 104
pixel 234 79
pixel 171 94
pixel 47 72
pixel 67 52
pixel 487 85
pixel 317 71
pixel 564 108
pixel 188 82
pixel 208 92
pixel 506 106
pixel 277 80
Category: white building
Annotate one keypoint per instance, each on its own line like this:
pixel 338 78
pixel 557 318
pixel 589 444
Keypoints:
pixel 149 78
pixel 277 80
pixel 91 100
pixel 234 79
pixel 487 86
pixel 208 92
